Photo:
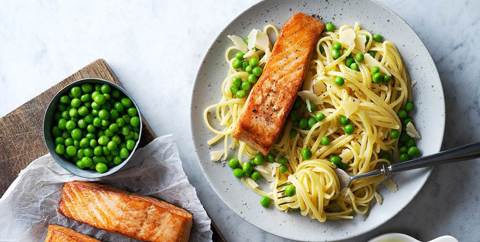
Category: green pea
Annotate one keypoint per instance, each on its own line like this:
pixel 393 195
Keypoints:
pixel 105 150
pixel 246 86
pixel 348 129
pixel 125 131
pixel 76 143
pixel 394 134
pixel 95 107
pixel 90 136
pixel 87 161
pixel 257 71
pixel 306 153
pixel 270 157
pixel 59 140
pixel 79 164
pixel 56 130
pixel 339 81
pixel 343 120
pixel 325 140
pixel 124 153
pixel 239 55
pixel 69 125
pixel 337 45
pixel 117 160
pixel 112 145
pixel 126 102
pixel 377 77
pixel 240 94
pixel 105 88
pixel 359 57
pixel 83 111
pixel 375 69
pixel 303 124
pixel 311 121
pixel 283 161
pixel 245 65
pixel 337 161
pixel 409 106
pixel 402 114
pixel 73 112
pixel 247 168
pixel 411 142
pixel 236 63
pixel 84 142
pixel 116 93
pixel 87 88
pixel 354 66
pixel 101 167
pixel 255 176
pixel 60 149
pixel 119 107
pixel 65 99
pixel 103 114
pixel 372 53
pixel 259 159
pixel 404 157
pixel 71 150
pixel 413 151
pixel 65 114
pixel 252 78
pixel 233 90
pixel 98 151
pixel 336 53
pixel 283 169
pixel 80 154
pixel 95 93
pixel 99 99
pixel 105 123
pixel 237 82
pixel 76 103
pixel 75 92
pixel 330 27
pixel 103 140
pixel 120 122
pixel 233 163
pixel 91 128
pixel 290 190
pixel 406 121
pixel 387 78
pixel 319 116
pixel 253 61
pixel 76 134
pixel 135 121
pixel 249 69
pixel 378 37
pixel 68 141
pixel 349 61
pixel 238 173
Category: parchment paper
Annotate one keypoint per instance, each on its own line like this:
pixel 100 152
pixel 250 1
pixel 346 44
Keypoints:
pixel 30 203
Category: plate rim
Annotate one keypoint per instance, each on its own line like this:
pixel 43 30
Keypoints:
pixel 423 180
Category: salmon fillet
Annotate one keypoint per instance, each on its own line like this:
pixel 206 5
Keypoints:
pixel 58 233
pixel 138 217
pixel 272 97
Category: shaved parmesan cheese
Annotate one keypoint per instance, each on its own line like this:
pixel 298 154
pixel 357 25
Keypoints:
pixel 266 173
pixel 346 155
pixel 238 42
pixel 252 38
pixel 262 42
pixel 216 155
pixel 390 185
pixel 349 106
pixel 360 42
pixel 412 131
pixel 309 95
pixel 347 36
pixel 371 62
pixel 251 183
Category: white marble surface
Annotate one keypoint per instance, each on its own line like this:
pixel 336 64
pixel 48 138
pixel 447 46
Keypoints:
pixel 155 48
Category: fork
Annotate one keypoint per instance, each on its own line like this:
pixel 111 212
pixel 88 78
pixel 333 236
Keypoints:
pixel 461 153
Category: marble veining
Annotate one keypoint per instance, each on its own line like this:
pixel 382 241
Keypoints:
pixel 155 48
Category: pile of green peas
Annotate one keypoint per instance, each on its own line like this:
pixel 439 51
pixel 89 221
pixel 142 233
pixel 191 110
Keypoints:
pixel 95 126
pixel 246 169
pixel 241 88
pixel 378 77
pixel 408 145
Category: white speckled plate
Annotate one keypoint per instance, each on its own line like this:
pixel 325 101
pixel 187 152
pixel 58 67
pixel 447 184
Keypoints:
pixel 429 116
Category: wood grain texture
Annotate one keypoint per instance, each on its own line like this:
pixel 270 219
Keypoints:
pixel 21 131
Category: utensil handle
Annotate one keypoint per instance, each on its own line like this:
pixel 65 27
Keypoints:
pixel 461 153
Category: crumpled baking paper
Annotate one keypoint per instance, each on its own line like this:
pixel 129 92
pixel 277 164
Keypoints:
pixel 30 203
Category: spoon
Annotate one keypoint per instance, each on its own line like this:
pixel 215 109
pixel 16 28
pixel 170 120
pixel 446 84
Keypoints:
pixel 461 153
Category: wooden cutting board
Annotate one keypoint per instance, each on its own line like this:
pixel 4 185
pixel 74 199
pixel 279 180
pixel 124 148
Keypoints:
pixel 21 131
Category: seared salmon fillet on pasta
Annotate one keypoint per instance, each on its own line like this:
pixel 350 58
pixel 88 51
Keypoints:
pixel 57 233
pixel 273 95
pixel 139 217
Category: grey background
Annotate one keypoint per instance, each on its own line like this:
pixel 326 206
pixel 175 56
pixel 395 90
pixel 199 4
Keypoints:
pixel 162 43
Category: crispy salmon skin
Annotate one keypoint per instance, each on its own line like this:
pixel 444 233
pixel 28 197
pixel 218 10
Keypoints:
pixel 58 233
pixel 138 217
pixel 272 97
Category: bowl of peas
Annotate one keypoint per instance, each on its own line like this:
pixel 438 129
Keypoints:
pixel 92 127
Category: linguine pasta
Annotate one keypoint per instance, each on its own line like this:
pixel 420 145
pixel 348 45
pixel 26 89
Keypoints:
pixel 370 107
